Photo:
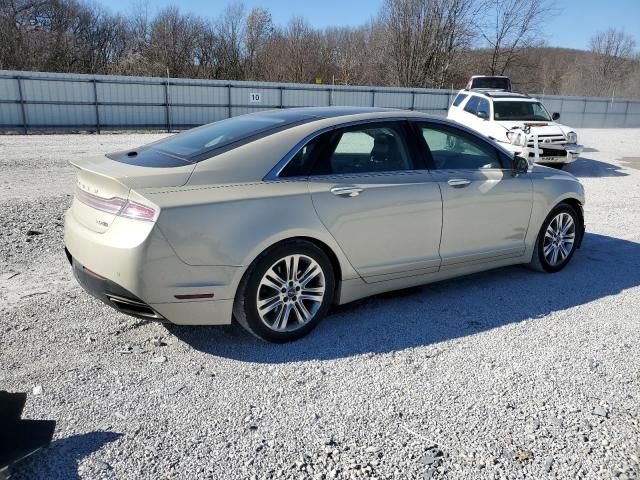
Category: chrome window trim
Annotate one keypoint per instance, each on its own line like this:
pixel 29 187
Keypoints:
pixel 274 173
pixel 451 123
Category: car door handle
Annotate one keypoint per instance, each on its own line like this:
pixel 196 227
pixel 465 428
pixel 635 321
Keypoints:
pixel 459 182
pixel 346 191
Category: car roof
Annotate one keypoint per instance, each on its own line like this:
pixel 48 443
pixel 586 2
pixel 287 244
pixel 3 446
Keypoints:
pixel 498 95
pixel 339 114
pixel 296 114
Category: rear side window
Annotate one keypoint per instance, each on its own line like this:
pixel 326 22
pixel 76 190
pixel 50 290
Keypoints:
pixel 459 99
pixel 472 105
pixel 367 148
pixel 302 162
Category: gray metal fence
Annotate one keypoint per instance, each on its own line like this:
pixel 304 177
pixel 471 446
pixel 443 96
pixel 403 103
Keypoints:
pixel 36 102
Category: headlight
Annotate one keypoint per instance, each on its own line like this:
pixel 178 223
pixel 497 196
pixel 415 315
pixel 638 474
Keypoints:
pixel 517 138
pixel 572 137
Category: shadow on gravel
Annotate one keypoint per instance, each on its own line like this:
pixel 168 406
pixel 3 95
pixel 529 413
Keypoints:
pixel 442 311
pixel 61 459
pixel 586 167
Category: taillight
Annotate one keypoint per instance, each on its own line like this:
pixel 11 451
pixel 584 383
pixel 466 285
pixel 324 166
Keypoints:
pixel 137 211
pixel 110 205
pixel 117 206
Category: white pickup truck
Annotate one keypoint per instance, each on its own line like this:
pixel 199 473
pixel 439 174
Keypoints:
pixel 520 123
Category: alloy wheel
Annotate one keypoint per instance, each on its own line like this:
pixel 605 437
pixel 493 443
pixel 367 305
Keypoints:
pixel 559 239
pixel 290 293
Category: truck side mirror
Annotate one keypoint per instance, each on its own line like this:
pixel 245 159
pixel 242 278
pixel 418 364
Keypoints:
pixel 482 114
pixel 555 116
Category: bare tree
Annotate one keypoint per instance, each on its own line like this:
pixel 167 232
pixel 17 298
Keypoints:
pixel 424 43
pixel 613 51
pixel 511 26
pixel 229 30
pixel 257 33
pixel 423 38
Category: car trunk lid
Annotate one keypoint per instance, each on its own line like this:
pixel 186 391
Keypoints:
pixel 104 185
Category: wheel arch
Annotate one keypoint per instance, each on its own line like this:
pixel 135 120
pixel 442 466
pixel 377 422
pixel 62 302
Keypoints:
pixel 577 206
pixel 333 257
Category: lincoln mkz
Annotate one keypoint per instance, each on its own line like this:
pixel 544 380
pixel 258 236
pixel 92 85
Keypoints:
pixel 272 218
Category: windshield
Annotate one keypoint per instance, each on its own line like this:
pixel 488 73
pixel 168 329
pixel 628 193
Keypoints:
pixel 225 132
pixel 520 111
pixel 500 83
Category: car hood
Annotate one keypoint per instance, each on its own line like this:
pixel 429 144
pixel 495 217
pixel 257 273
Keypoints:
pixel 550 172
pixel 540 128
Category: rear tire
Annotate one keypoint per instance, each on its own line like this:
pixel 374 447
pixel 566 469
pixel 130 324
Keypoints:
pixel 285 292
pixel 557 240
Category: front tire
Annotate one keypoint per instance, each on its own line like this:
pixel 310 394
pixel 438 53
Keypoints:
pixel 557 240
pixel 285 292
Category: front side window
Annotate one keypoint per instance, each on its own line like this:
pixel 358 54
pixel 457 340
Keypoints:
pixel 452 149
pixel 506 110
pixel 472 105
pixel 483 106
pixel 367 148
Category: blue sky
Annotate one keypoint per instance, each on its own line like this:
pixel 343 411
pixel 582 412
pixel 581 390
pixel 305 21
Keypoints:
pixel 576 22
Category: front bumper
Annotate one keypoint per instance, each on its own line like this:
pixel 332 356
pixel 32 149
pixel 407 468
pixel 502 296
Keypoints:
pixel 568 154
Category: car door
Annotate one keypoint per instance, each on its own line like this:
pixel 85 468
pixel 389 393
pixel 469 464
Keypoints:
pixel 486 207
pixel 383 208
pixel 468 114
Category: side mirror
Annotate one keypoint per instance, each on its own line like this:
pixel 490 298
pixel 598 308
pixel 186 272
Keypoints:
pixel 520 165
pixel 483 115
pixel 555 116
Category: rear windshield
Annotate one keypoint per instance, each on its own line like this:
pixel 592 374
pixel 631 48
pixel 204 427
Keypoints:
pixel 491 82
pixel 192 144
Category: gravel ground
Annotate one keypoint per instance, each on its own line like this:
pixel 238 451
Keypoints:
pixel 507 374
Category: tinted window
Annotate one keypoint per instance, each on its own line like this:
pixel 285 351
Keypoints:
pixel 472 105
pixel 505 110
pixel 459 99
pixel 225 132
pixel 483 106
pixel 301 163
pixel 497 83
pixel 454 149
pixel 366 148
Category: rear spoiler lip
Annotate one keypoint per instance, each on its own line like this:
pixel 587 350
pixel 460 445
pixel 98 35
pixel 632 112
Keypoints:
pixel 134 177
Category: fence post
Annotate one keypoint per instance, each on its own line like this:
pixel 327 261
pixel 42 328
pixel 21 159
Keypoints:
pixel 373 98
pixel 25 124
pixel 280 89
pixel 330 90
pixel 626 114
pixel 95 101
pixel 166 103
pixel 413 99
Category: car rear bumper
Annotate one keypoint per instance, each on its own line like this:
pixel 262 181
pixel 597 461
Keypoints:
pixel 134 270
pixel 111 293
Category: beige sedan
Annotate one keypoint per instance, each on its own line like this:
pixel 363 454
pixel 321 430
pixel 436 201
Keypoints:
pixel 271 218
